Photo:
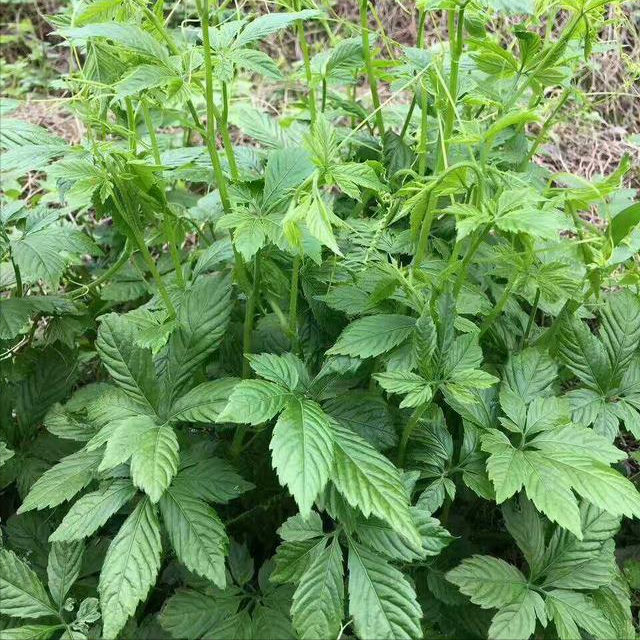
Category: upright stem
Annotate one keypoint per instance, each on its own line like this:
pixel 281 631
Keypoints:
pixel 456 42
pixel 366 51
pixel 131 125
pixel 293 303
pixel 422 147
pixel 532 316
pixel 148 123
pixel 422 15
pixel 19 288
pixel 408 430
pixel 223 127
pixel 304 47
pixel 497 310
pixel 250 310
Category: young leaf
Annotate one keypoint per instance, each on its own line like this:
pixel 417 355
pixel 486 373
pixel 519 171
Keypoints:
pixel 130 568
pixel 382 602
pixel 302 451
pixel 21 592
pixel 92 510
pixel 318 601
pixel 63 569
pixel 196 533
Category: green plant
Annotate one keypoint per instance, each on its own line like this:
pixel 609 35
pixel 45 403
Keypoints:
pixel 371 372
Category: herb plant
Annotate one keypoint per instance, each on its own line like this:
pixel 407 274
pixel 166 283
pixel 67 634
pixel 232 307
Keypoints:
pixel 363 368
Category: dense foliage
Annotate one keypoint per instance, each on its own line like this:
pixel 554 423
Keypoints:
pixel 352 364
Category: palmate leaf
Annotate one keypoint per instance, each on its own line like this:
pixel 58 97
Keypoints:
pixel 572 609
pixel 130 367
pixel 318 601
pixel 145 76
pixel 264 25
pixel 517 620
pixel 370 336
pixel 489 582
pixel 196 534
pixel 369 482
pixel 191 615
pixel 130 568
pixel 254 402
pixel 15 312
pixel 62 481
pixel 63 568
pixel 203 403
pixel 286 169
pixel 92 510
pixel 293 558
pixel 21 592
pixel 382 602
pixel 201 322
pixel 302 450
pixel 211 480
pixel 530 373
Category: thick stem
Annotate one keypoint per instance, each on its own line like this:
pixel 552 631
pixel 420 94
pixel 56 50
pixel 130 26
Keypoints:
pixel 293 304
pixel 304 47
pixel 371 76
pixel 408 430
pixel 223 128
pixel 19 288
pixel 250 309
pixel 475 245
pixel 123 258
pixel 323 103
pixel 131 125
pixel 456 42
pixel 422 147
pixel 587 254
pixel 532 317
pixel 497 310
pixel 148 122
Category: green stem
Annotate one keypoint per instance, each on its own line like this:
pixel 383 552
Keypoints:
pixel 532 316
pixel 543 129
pixel 464 266
pixel 111 271
pixel 293 304
pixel 148 122
pixel 422 147
pixel 585 250
pixel 371 76
pixel 304 46
pixel 19 288
pixel 408 430
pixel 497 310
pixel 323 103
pixel 223 128
pixel 250 309
pixel 131 125
pixel 456 42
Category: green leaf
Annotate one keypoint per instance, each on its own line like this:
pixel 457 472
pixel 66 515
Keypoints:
pixel 416 389
pixel 144 76
pixel 130 568
pixel 130 366
pixel 63 568
pixel 45 252
pixel 620 332
pixel 570 610
pixel 285 370
pixel 318 601
pixel 30 632
pixel 203 403
pixel 196 534
pixel 62 481
pixel 583 353
pixel 370 336
pixel 16 312
pixel 21 592
pixel 527 528
pixel 570 563
pixel 286 169
pixel 128 35
pixel 155 461
pixel 382 602
pixel 254 402
pixel 302 451
pixel 256 61
pixel 294 558
pixel 371 483
pixel 264 25
pixel 489 582
pixel 530 373
pixel 517 620
pixel 191 615
pixel 202 321
pixel 624 223
pixel 211 480
pixel 92 510
pixel 297 528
